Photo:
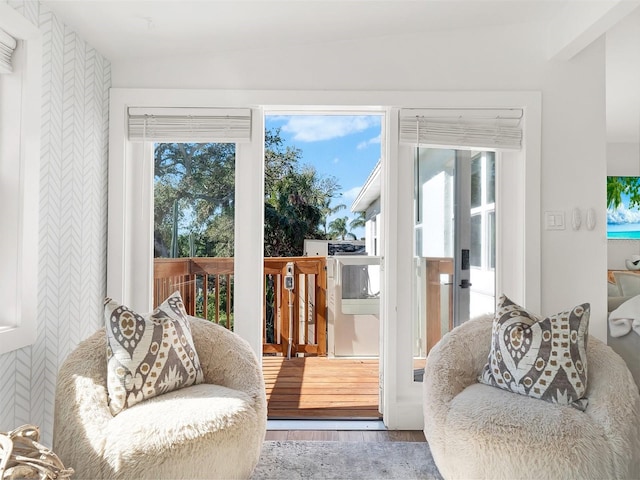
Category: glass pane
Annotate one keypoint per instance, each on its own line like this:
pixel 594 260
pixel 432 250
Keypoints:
pixel 194 190
pixel 434 237
pixel 491 176
pixel 475 255
pixel 435 202
pixel 476 181
pixel 491 218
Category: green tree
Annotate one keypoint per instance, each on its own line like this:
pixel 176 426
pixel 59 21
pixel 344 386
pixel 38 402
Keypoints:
pixel 327 210
pixel 338 228
pixel 199 178
pixel 291 214
pixel 295 196
pixel 359 221
pixel 618 186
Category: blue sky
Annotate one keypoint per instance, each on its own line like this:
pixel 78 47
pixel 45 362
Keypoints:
pixel 344 146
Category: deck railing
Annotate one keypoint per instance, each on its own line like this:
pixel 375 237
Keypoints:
pixel 206 286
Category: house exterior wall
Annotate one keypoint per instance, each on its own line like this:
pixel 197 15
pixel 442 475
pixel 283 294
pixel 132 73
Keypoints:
pixel 73 220
pixel 372 229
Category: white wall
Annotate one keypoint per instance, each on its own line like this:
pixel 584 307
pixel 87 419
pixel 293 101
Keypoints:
pixel 73 187
pixel 623 159
pixel 573 175
pixel 507 58
pixel 73 175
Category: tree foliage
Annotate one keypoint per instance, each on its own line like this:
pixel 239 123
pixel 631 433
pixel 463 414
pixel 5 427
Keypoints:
pixel 359 221
pixel 618 186
pixel 338 228
pixel 200 177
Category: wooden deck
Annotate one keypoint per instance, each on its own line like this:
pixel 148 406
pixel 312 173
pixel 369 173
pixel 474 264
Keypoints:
pixel 321 387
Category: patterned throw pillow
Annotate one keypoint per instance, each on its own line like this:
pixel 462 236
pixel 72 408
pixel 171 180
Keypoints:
pixel 542 358
pixel 148 354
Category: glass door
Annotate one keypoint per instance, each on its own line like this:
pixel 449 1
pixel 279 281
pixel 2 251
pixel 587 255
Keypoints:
pixel 454 242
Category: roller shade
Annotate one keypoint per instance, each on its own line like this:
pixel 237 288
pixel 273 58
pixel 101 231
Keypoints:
pixel 189 124
pixel 7 46
pixel 495 129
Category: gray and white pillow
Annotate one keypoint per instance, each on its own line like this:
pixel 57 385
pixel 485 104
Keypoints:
pixel 148 354
pixel 544 358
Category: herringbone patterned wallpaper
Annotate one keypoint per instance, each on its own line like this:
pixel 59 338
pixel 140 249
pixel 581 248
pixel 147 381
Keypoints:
pixel 73 219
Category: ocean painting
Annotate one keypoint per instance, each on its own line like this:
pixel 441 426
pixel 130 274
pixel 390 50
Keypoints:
pixel 623 208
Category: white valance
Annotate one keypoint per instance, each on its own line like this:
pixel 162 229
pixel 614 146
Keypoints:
pixel 7 46
pixel 221 125
pixel 493 129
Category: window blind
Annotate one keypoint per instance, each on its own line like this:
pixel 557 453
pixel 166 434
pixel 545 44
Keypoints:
pixel 7 46
pixel 494 129
pixel 189 124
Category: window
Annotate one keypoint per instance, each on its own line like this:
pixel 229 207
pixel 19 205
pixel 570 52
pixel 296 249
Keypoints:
pixel 194 216
pixel 19 174
pixel 482 254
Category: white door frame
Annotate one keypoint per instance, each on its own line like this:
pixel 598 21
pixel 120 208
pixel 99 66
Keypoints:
pixel 521 241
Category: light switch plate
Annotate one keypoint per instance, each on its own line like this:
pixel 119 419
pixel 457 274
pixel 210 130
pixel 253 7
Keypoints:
pixel 554 220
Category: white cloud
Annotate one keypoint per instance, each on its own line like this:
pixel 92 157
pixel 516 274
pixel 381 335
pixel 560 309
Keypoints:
pixel 371 141
pixel 622 215
pixel 312 128
pixel 352 193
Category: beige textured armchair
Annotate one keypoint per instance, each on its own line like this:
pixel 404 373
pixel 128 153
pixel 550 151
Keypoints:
pixel 211 430
pixel 479 431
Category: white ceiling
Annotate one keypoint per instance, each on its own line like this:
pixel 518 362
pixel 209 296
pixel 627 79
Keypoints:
pixel 129 29
pixel 122 29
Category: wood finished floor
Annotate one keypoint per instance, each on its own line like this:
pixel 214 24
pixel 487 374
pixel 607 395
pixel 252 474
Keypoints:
pixel 321 387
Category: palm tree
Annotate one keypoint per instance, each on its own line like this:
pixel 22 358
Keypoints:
pixel 618 186
pixel 338 228
pixel 359 221
pixel 327 210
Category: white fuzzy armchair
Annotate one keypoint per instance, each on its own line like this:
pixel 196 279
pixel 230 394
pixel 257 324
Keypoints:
pixel 477 431
pixel 211 430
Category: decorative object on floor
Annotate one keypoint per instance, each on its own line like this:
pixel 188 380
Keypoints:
pixel 310 460
pixel 478 431
pixel 211 430
pixel 148 354
pixel 22 456
pixel 633 263
pixel 543 358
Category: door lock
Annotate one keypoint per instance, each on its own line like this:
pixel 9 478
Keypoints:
pixel 465 283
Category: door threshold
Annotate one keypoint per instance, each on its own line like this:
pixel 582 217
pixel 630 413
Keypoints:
pixel 325 425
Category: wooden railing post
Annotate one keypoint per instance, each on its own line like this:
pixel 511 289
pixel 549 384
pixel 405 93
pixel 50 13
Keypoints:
pixel 321 308
pixel 285 313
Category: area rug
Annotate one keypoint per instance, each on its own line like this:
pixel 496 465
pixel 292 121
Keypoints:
pixel 315 460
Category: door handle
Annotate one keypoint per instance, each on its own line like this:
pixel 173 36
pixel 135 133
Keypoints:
pixel 465 283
